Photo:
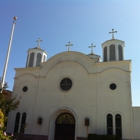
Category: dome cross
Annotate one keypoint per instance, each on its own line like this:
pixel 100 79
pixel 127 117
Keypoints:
pixel 92 47
pixel 38 41
pixel 113 33
pixel 68 45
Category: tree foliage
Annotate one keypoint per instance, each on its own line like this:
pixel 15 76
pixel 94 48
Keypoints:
pixel 6 105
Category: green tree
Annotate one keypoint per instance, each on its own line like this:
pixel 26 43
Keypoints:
pixel 3 135
pixel 6 105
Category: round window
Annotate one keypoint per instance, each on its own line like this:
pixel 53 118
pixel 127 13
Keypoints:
pixel 66 84
pixel 113 86
pixel 24 89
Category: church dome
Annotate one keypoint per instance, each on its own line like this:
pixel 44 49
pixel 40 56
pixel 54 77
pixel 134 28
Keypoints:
pixel 113 49
pixel 36 56
pixel 94 56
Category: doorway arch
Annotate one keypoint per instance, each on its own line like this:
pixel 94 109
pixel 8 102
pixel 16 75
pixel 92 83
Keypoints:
pixel 54 117
pixel 65 127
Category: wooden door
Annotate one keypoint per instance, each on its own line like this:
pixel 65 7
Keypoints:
pixel 65 127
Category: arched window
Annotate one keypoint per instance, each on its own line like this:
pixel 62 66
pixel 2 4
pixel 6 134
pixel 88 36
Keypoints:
pixel 112 52
pixel 65 118
pixel 31 60
pixel 44 58
pixel 120 52
pixel 17 120
pixel 105 54
pixel 118 125
pixel 23 120
pixel 109 124
pixel 38 59
pixel 27 61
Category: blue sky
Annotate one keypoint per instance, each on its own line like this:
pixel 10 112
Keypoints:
pixel 80 21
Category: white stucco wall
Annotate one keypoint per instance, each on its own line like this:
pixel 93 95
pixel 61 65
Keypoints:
pixel 136 122
pixel 89 96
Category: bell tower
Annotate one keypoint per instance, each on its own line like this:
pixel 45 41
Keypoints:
pixel 113 50
pixel 36 56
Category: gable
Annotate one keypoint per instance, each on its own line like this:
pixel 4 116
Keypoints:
pixel 75 57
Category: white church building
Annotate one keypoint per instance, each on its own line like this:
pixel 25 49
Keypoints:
pixel 73 94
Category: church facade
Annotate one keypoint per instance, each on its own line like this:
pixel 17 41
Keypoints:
pixel 73 94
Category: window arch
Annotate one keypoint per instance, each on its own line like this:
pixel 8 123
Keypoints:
pixel 65 118
pixel 27 61
pixel 17 120
pixel 120 52
pixel 118 125
pixel 109 124
pixel 105 54
pixel 112 52
pixel 44 58
pixel 38 59
pixel 31 59
pixel 23 121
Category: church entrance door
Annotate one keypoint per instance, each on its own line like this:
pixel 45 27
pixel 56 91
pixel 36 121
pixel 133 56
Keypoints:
pixel 65 127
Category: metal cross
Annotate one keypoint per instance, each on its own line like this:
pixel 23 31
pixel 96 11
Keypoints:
pixel 68 45
pixel 39 40
pixel 112 33
pixel 92 47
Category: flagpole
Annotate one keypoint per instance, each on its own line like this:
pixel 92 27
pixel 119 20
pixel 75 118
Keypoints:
pixel 8 53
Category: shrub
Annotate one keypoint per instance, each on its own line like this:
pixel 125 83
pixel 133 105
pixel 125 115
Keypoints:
pixel 102 137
